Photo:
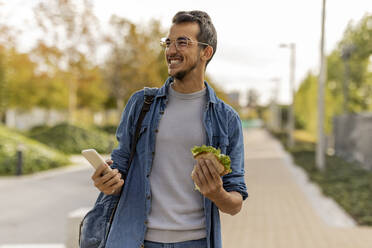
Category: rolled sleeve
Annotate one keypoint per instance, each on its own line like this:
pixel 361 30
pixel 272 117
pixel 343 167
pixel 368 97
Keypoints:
pixel 235 181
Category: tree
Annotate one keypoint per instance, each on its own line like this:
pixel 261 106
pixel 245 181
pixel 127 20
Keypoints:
pixel 359 83
pixel 71 27
pixel 3 86
pixel 360 78
pixel 7 41
pixel 135 59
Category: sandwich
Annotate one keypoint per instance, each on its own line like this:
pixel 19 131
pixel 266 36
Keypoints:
pixel 221 162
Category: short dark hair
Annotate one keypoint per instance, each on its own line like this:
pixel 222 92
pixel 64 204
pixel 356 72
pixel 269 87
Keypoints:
pixel 207 33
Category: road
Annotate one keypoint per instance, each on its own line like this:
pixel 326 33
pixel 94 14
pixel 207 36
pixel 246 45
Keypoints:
pixel 34 209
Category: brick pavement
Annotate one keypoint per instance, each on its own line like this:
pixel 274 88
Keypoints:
pixel 277 214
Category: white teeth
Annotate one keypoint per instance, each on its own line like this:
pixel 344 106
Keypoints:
pixel 175 62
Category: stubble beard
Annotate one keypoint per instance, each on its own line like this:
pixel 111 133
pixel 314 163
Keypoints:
pixel 181 74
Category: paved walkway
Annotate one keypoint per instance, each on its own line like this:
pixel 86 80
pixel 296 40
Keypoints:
pixel 277 214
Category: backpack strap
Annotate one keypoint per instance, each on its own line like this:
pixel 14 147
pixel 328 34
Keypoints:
pixel 147 101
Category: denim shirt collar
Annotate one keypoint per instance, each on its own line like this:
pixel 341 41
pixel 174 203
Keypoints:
pixel 163 91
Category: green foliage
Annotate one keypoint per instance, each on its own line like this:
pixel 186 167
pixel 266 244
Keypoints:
pixel 20 79
pixel 347 183
pixel 110 129
pixel 135 59
pixel 36 156
pixel 3 86
pixel 224 159
pixel 72 139
pixel 305 103
pixel 359 37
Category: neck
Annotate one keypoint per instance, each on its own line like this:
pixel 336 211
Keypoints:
pixel 189 84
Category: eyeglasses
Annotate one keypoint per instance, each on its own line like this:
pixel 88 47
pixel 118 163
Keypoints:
pixel 181 42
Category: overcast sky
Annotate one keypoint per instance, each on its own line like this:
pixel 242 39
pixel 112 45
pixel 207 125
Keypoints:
pixel 249 34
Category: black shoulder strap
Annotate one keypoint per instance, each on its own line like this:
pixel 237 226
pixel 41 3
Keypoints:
pixel 148 99
pixel 149 95
pixel 145 108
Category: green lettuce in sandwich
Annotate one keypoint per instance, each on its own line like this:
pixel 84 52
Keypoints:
pixel 221 161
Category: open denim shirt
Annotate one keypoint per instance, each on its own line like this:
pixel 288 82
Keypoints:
pixel 223 128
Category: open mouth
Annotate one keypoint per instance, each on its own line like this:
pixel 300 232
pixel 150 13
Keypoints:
pixel 174 61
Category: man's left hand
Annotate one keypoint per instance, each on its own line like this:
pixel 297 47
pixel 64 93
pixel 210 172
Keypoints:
pixel 207 179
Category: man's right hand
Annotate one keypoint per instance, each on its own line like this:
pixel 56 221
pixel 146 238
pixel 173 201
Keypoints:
pixel 110 183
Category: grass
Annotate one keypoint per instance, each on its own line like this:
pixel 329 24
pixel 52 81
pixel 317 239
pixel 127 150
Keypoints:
pixel 347 183
pixel 36 156
pixel 71 139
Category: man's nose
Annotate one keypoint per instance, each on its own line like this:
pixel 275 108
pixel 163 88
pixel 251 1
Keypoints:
pixel 172 48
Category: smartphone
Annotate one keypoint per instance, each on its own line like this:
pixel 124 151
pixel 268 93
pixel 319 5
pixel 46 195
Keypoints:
pixel 95 159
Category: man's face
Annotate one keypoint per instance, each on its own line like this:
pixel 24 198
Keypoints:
pixel 183 61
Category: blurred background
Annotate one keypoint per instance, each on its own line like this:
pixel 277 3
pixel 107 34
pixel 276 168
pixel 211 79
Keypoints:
pixel 68 67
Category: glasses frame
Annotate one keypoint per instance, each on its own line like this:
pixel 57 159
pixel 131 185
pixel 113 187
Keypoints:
pixel 163 42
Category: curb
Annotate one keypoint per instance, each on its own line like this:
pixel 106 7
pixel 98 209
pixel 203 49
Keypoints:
pixel 327 209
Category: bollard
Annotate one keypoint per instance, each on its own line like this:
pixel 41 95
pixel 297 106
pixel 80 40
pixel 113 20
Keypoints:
pixel 19 169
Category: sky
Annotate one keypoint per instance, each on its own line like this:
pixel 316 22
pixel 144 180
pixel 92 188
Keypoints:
pixel 249 34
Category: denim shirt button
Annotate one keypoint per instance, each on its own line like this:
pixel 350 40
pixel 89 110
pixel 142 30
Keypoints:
pixel 148 197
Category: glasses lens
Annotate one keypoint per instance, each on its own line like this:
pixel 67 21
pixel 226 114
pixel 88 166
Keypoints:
pixel 182 42
pixel 163 42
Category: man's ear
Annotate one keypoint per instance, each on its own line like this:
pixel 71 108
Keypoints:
pixel 207 53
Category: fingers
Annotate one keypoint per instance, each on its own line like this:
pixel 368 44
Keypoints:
pixel 99 171
pixel 108 183
pixel 196 176
pixel 212 170
pixel 206 171
pixel 206 177
pixel 109 161
pixel 115 187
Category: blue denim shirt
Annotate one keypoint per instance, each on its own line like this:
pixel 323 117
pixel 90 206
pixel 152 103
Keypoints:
pixel 223 129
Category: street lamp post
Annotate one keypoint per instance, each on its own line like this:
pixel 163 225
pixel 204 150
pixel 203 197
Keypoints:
pixel 320 145
pixel 291 123
pixel 276 112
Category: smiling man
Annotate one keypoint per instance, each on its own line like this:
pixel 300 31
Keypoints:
pixel 159 206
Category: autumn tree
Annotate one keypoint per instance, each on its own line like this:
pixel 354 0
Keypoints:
pixel 71 27
pixel 135 58
pixel 7 41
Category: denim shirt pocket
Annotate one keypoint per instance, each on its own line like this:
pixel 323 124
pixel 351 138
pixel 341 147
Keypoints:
pixel 221 142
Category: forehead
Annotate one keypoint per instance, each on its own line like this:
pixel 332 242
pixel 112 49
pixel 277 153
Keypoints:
pixel 187 29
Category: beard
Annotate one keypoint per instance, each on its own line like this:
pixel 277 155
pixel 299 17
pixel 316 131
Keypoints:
pixel 181 74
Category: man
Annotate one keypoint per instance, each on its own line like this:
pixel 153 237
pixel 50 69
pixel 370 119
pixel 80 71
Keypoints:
pixel 159 204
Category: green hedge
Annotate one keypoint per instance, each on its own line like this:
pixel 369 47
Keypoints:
pixel 71 139
pixel 109 129
pixel 36 156
pixel 347 183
